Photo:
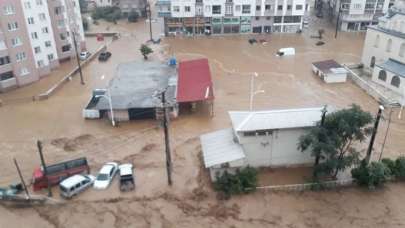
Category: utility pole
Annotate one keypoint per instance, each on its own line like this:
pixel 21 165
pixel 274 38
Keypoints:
pixel 41 156
pixel 78 59
pixel 149 11
pixel 167 142
pixel 338 20
pixel 374 133
pixel 386 134
pixel 324 111
pixel 22 179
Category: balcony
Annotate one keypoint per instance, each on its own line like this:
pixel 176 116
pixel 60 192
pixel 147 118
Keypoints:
pixel 7 81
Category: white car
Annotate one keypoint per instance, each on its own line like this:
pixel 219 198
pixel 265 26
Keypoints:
pixel 84 55
pixel 73 185
pixel 106 175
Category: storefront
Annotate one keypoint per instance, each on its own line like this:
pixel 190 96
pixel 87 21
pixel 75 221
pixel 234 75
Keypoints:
pixel 231 24
pixel 216 25
pixel 245 25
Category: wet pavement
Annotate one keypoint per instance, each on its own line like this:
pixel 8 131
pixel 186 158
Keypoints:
pixel 288 83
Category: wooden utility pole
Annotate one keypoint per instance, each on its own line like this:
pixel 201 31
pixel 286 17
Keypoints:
pixel 167 141
pixel 374 133
pixel 78 59
pixel 338 20
pixel 149 11
pixel 41 156
pixel 386 134
pixel 22 179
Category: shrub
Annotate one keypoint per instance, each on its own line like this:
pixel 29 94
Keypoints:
pixel 400 168
pixel 371 175
pixel 390 164
pixel 145 51
pixel 110 14
pixel 243 181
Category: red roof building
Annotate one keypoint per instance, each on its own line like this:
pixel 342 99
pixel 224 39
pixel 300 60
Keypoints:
pixel 194 81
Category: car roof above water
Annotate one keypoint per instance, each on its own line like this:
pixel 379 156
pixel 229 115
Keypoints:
pixel 125 169
pixel 73 180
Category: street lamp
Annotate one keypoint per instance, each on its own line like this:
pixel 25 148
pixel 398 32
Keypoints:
pixel 252 92
pixel 108 97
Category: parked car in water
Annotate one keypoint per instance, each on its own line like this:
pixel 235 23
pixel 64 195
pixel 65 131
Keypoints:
pixel 106 175
pixel 84 55
pixel 75 185
pixel 127 182
pixel 104 56
pixel 58 172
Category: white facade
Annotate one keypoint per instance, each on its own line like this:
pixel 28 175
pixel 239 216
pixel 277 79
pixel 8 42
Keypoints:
pixel 103 3
pixel 40 34
pixel 384 50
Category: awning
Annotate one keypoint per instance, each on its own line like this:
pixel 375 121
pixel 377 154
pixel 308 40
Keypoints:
pixel 194 81
pixel 219 147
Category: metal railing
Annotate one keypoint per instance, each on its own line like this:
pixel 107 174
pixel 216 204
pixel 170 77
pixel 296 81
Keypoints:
pixel 308 186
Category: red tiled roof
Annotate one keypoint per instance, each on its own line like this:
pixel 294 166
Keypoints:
pixel 194 81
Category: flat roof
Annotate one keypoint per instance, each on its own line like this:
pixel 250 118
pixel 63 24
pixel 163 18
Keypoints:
pixel 137 84
pixel 393 66
pixel 194 81
pixel 243 121
pixel 219 147
pixel 329 65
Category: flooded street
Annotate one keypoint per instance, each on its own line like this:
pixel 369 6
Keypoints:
pixel 288 83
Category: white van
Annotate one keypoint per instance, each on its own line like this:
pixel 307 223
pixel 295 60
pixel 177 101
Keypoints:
pixel 286 51
pixel 75 184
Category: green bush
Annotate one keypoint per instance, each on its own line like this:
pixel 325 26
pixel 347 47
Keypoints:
pixel 390 164
pixel 243 181
pixel 372 175
pixel 400 167
pixel 110 14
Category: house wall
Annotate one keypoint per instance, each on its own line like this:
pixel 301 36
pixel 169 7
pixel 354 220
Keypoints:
pixel 335 78
pixel 387 82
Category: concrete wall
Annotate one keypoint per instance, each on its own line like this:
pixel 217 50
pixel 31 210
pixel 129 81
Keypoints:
pixel 387 82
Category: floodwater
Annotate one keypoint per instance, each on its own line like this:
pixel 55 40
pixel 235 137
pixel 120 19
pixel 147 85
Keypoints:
pixel 288 83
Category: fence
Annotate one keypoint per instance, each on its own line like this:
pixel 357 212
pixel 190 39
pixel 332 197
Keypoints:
pixel 308 186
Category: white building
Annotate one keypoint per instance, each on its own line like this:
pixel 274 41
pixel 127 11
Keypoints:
pixel 231 16
pixel 356 15
pixel 384 50
pixel 330 71
pixel 260 139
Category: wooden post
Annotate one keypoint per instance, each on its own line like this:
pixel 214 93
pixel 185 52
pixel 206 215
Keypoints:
pixel 167 142
pixel 22 179
pixel 41 156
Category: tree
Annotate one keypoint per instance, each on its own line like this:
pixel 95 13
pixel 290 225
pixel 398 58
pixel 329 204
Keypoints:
pixel 133 16
pixel 333 142
pixel 145 50
pixel 241 182
pixel 371 175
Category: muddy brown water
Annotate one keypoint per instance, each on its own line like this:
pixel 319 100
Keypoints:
pixel 288 83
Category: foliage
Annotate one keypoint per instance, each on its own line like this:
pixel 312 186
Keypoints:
pixel 133 16
pixel 333 142
pixel 390 164
pixel 85 24
pixel 145 51
pixel 400 167
pixel 83 6
pixel 243 181
pixel 373 175
pixel 108 13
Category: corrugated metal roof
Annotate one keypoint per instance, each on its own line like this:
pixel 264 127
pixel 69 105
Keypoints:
pixel 218 148
pixel 393 66
pixel 275 119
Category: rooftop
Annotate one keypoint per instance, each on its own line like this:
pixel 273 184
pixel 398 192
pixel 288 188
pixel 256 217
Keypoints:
pixel 329 66
pixel 393 66
pixel 69 182
pixel 243 121
pixel 137 84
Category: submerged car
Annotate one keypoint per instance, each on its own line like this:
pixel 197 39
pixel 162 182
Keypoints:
pixel 84 55
pixel 127 182
pixel 104 56
pixel 76 184
pixel 106 175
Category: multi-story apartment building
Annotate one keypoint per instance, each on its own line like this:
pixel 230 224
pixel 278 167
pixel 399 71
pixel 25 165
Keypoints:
pixel 231 16
pixel 356 15
pixel 126 6
pixel 384 50
pixel 35 35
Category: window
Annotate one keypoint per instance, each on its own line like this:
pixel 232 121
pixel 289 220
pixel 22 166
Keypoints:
pixel 357 6
pixel 16 42
pixel 289 7
pixel 267 7
pixel 176 8
pixel 66 48
pixel 37 50
pixel 2 45
pixel 45 30
pixel 237 8
pixel 12 26
pixel 187 8
pixel 62 36
pixel 39 2
pixel 298 7
pixel 30 20
pixel 382 75
pixel 277 19
pixel 377 41
pixel 7 75
pixel 61 23
pixel 50 57
pixel 27 5
pixel 228 9
pixel 402 50
pixel 58 10
pixel 42 16
pixel 216 9
pixel 257 18
pixel 207 9
pixel 395 81
pixel 20 56
pixel 4 60
pixel 372 62
pixel 258 8
pixel 389 45
pixel 268 18
pixel 48 43
pixel 245 8
pixel 40 63
pixel 24 71
pixel 9 9
pixel 280 7
pixel 34 35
